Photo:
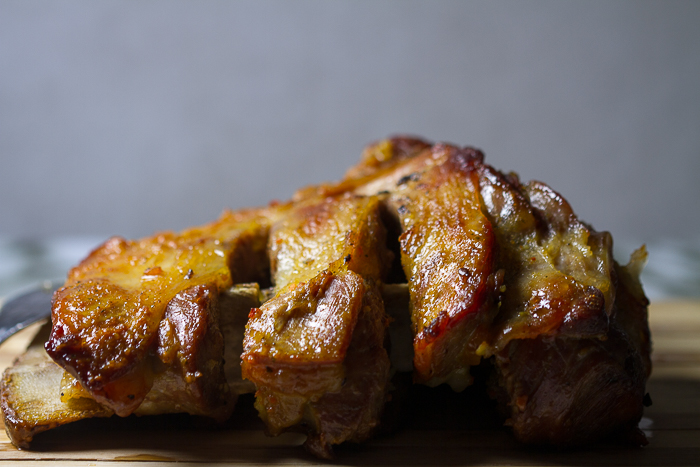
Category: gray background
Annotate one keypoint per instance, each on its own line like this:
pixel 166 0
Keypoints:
pixel 133 117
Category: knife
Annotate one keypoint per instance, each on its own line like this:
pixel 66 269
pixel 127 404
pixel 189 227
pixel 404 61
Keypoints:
pixel 25 309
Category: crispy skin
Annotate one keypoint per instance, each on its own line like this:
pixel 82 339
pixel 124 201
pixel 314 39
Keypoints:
pixel 571 351
pixel 318 232
pixel 528 266
pixel 316 355
pixel 495 269
pixel 353 413
pixel 383 164
pixel 384 156
pixel 446 247
pixel 191 348
pixel 107 318
pixel 446 252
pixel 316 350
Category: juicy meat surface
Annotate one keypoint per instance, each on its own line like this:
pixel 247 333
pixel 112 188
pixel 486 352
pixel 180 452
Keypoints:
pixel 542 292
pixel 497 271
pixel 564 391
pixel 525 265
pixel 317 357
pixel 38 395
pixel 108 319
pixel 447 256
pixel 316 233
pixel 316 350
pixel 557 270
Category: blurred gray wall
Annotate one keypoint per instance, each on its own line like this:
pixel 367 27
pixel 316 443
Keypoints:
pixel 133 117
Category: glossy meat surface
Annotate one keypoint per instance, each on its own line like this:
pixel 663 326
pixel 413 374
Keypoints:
pixel 317 358
pixel 571 351
pixel 37 395
pixel 557 271
pixel 487 259
pixel 108 319
pixel 498 272
pixel 564 391
pixel 446 252
pixel 317 233
pixel 316 350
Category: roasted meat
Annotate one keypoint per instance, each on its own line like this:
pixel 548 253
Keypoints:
pixel 316 350
pixel 569 391
pixel 38 395
pixel 447 256
pixel 31 396
pixel 487 270
pixel 502 271
pixel 135 308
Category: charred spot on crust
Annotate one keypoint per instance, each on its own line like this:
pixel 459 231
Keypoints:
pixel 413 177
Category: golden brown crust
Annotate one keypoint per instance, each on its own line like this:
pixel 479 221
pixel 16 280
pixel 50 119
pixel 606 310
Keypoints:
pixel 353 413
pixel 557 271
pixel 191 346
pixel 495 269
pixel 107 316
pixel 316 355
pixel 311 324
pixel 320 340
pixel 38 395
pixel 385 155
pixel 446 252
pixel 342 231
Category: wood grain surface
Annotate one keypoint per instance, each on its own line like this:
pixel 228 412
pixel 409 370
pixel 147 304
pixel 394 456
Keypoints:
pixel 442 428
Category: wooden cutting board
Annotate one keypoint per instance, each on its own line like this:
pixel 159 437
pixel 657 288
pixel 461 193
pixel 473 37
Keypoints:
pixel 443 428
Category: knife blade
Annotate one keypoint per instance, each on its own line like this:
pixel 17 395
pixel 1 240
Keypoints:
pixel 26 309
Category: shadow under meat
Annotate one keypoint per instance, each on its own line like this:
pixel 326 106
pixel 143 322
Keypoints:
pixel 423 426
